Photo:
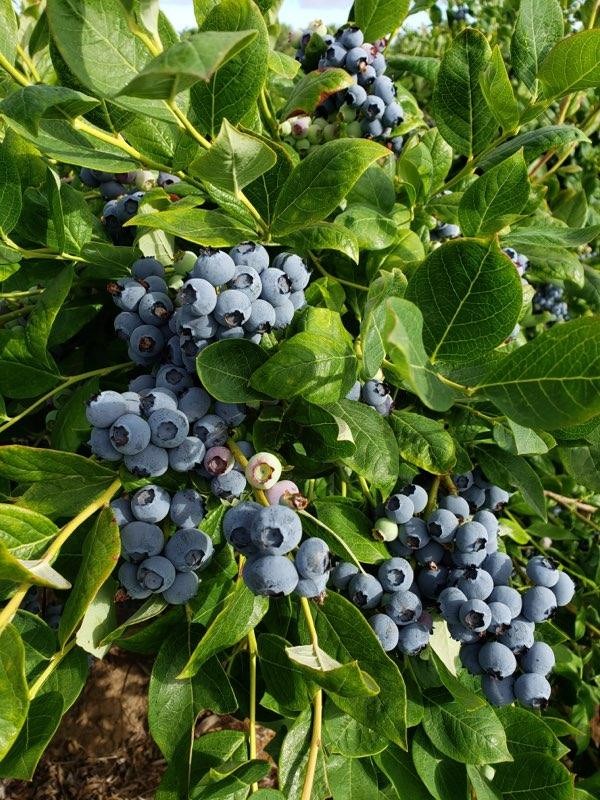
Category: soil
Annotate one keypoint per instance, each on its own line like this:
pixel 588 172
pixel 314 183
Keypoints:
pixel 102 749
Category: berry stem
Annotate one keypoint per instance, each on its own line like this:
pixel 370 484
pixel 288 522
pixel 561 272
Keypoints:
pixel 253 653
pixel 262 225
pixel 433 493
pixel 315 739
pixel 187 125
pixel 365 489
pixel 266 113
pixel 14 73
pixel 24 56
pixel 243 462
pixel 326 274
pixel 52 665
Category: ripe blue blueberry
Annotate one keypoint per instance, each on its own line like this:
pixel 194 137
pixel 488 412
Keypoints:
pixel 284 314
pixel 251 255
pixel 143 268
pixel 155 308
pixel 476 583
pixel 417 495
pixel 539 603
pixel 121 508
pixel 311 587
pixel 488 520
pixel 105 408
pixel 237 525
pixel 354 393
pixel 365 591
pixel 276 286
pixel 168 427
pixel 130 434
pixel 150 503
pixel 372 128
pixel 403 607
pixel 539 658
pixel 270 575
pixel 399 508
pixel 246 280
pixel 126 293
pixel 496 498
pixel 127 576
pixel 474 559
pixel 183 588
pixel 200 295
pixel 125 324
pixel 543 571
pixel 463 481
pixel 563 589
pixel 233 413
pixel 393 115
pixel 533 690
pixel 188 455
pixel 475 497
pixel 156 284
pixel 497 659
pixel 156 573
pixel 214 266
pixel 189 549
pixel 351 37
pixel 414 533
pixel 233 308
pixel 313 558
pixel 463 635
pixel 147 340
pixel 335 55
pixel 276 530
pixel 501 618
pixel 441 525
pixel 500 567
pixel 172 377
pixel 450 601
pixel 211 429
pixel 356 60
pixel 395 575
pixel 355 96
pixel 386 631
pixel 475 615
pixel 412 639
pixel 142 382
pixel 509 597
pixel 499 691
pixel 432 580
pixel 342 573
pixel 262 317
pixel 101 445
pixel 152 400
pixel 140 540
pixel 187 508
pixel 457 505
pixel 470 537
pixel 469 658
pixel 383 87
pixel 133 402
pixel 228 486
pixel 519 637
pixel 373 107
pixel 150 463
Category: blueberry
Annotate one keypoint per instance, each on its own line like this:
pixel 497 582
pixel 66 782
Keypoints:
pixel 156 573
pixel 101 445
pixel 499 691
pixel 539 658
pixel 130 434
pixel 463 481
pixel 127 576
pixel 246 280
pixel 164 180
pixel 539 603
pixel 412 639
pixel 233 413
pixel 155 308
pixel 140 540
pixel 218 460
pixel 126 293
pixel 141 383
pixel 150 504
pixel 342 574
pixel 125 324
pixel 189 549
pixel 450 601
pixel 496 498
pixel 475 615
pixel 403 607
pixel 457 505
pixel 228 486
pixel 154 399
pixel 374 393
pixel 393 115
pixel 373 108
pixel 187 508
pixel 188 455
pixel 463 635
pixel 533 690
pixel 270 575
pixel 492 544
pixel 313 558
pixel 372 128
pixel 354 393
pixel 442 525
pixel 214 266
pixel 399 508
pixel 121 508
pixel 563 589
pixel 335 55
pixel 133 402
pixel 276 286
pixel 500 567
pixel 276 530
pixel 211 429
pixel 262 317
pixel 383 87
pixel 173 350
pixel 497 659
pixel 488 520
pixel 501 618
pixel 476 583
pixel 351 37
pixel 355 96
pixel 475 497
pixel 414 533
pixel 519 637
pixel 147 340
pixel 469 658
pixel 417 495
pixel 169 427
pixel 356 60
pixel 509 597
pixel 237 525
pixel 150 463
pixel 233 308
pixel 284 314
pixel 142 268
pixel 88 177
pixel 470 537
pixel 199 294
pixel 386 631
pixel 172 377
pixel 251 255
pixel 395 575
pixel 298 300
pixel 183 588
pixel 379 63
pixel 312 587
pixel 105 408
pixel 231 333
pixel 464 560
pixel 431 581
pixel 365 591
pixel 543 571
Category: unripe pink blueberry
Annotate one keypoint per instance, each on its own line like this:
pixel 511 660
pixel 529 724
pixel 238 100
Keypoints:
pixel 263 470
pixel 286 493
pixel 218 460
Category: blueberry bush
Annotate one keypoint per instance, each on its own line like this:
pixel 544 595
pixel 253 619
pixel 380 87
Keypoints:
pixel 300 391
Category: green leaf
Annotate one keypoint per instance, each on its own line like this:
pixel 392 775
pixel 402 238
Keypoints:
pixel 41 319
pixel 470 296
pixel 149 609
pixel 459 107
pixel 372 230
pixel 471 736
pixel 376 454
pixel 173 704
pixel 35 571
pixel 572 64
pixel 528 733
pixel 345 735
pixel 318 429
pixel 99 619
pixel 425 66
pixel 283 680
pixel 546 236
pixel 10 191
pixel 25 533
pixel 31 464
pixel 282 64
pixel 43 719
pixel 30 105
pixel 498 92
pixel 552 381
pixel 387 284
pixel 226 368
pixel 351 777
pixel 534 775
pixel 323 236
pixel 71 428
pixel 319 368
pixel 240 614
pixel 13 688
pixel 8 31
pixel 399 769
pixel 233 90
pixel 534 144
pixel 313 89
pixel 423 442
pixel 514 471
pixel 195 58
pixel 496 199
pixel 409 362
pixel 519 440
pixel 377 18
pixel 293 759
pixel 345 680
pixel 335 165
pixel 69 677
pixel 208 228
pixel 442 776
pixel 349 531
pixel 21 374
pixel 345 632
pixel 441 157
pixel 538 27
pixel 101 551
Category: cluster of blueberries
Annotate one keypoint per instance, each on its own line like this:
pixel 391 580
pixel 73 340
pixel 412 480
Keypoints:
pixel 368 108
pixel 374 393
pixel 459 569
pixel 234 295
pixel 549 299
pixel 165 421
pixel 153 565
pixel 113 185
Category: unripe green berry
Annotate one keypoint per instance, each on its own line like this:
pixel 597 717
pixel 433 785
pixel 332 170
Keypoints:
pixel 184 262
pixel 385 530
pixel 263 470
